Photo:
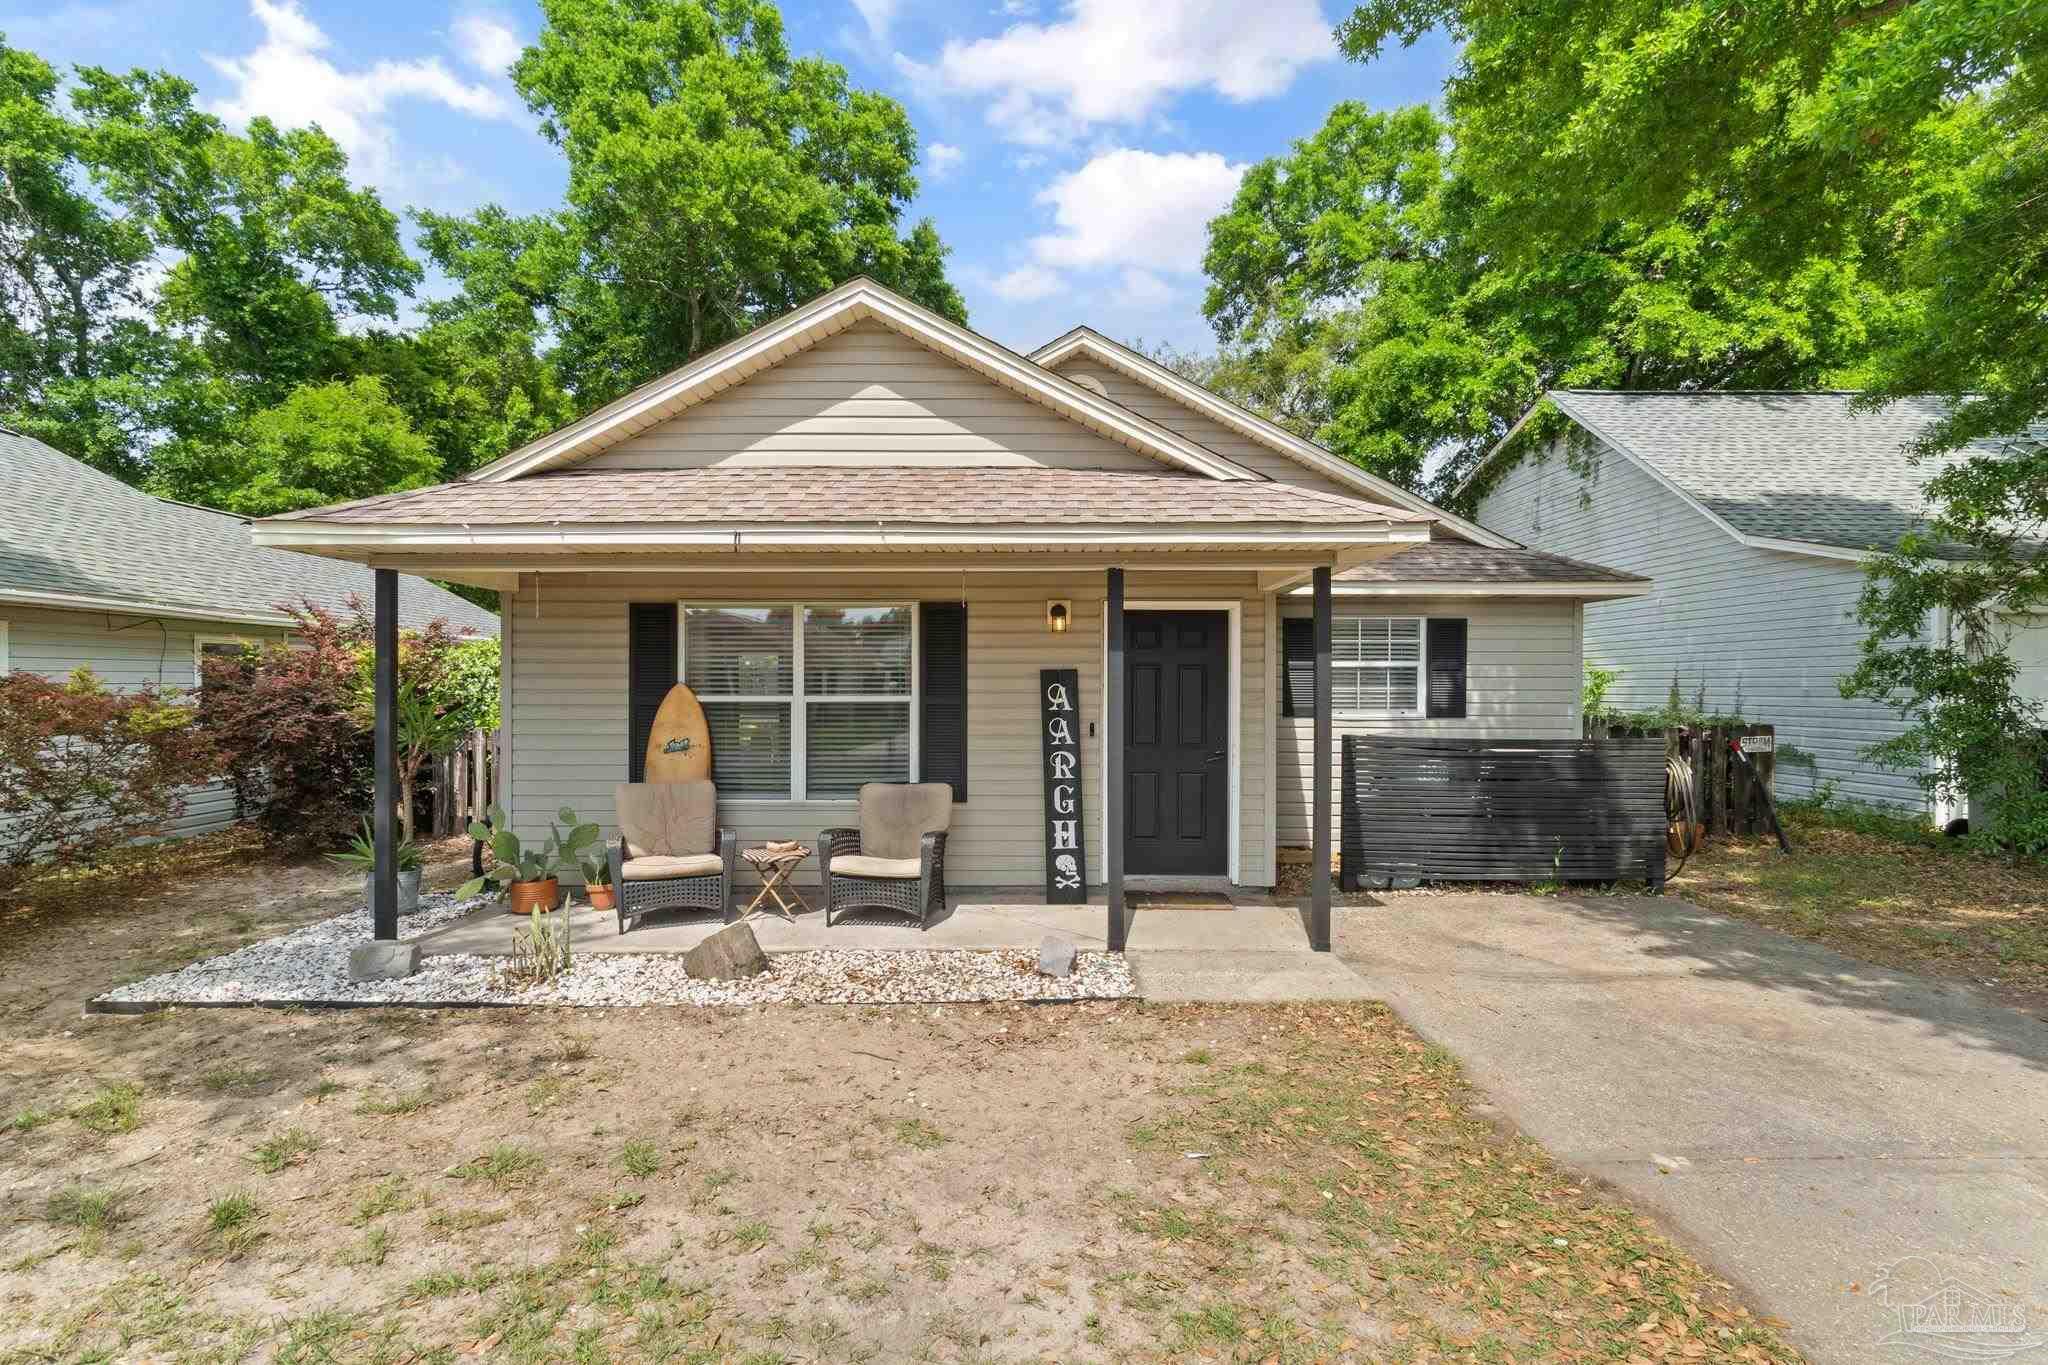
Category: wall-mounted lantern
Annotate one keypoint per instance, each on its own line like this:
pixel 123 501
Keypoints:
pixel 1058 616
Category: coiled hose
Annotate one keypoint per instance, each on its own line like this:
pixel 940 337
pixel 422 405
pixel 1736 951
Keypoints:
pixel 1681 807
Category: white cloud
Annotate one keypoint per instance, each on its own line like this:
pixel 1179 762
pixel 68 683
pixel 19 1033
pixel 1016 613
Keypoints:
pixel 289 79
pixel 942 157
pixel 1115 62
pixel 878 15
pixel 487 42
pixel 1025 284
pixel 1142 291
pixel 1146 210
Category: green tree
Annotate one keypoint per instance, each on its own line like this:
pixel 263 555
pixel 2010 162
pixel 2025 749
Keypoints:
pixel 324 443
pixel 714 181
pixel 1918 128
pixel 1355 295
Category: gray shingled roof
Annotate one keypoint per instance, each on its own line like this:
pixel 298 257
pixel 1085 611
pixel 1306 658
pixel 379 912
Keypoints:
pixel 862 497
pixel 67 528
pixel 1455 561
pixel 1787 466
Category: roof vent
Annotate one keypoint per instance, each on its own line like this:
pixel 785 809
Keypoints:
pixel 1090 383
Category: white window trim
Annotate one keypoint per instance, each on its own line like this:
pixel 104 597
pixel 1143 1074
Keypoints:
pixel 199 644
pixel 798 702
pixel 1421 666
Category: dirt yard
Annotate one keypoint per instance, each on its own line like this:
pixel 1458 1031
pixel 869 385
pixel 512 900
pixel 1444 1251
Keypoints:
pixel 823 1184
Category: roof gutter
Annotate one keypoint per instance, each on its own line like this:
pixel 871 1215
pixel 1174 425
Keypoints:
pixel 129 606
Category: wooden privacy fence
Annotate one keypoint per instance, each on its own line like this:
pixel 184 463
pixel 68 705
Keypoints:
pixel 464 782
pixel 1501 810
pixel 1724 795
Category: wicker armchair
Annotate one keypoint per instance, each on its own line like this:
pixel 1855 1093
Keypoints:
pixel 670 855
pixel 896 860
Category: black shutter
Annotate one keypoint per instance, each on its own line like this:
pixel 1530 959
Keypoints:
pixel 1297 666
pixel 942 727
pixel 650 673
pixel 1446 668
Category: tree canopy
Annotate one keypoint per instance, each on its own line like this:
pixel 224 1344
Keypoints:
pixel 227 318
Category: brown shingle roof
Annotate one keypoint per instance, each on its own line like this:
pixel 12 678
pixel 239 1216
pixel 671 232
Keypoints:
pixel 894 496
pixel 1451 561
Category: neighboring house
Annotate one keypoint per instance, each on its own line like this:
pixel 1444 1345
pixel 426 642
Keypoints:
pixel 854 530
pixel 97 574
pixel 1753 513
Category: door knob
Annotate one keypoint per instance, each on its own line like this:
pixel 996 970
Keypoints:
pixel 1216 757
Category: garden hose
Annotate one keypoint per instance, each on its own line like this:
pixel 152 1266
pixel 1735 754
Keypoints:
pixel 1681 807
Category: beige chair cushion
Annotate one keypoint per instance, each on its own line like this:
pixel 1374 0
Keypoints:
pixel 895 816
pixel 861 865
pixel 667 819
pixel 653 867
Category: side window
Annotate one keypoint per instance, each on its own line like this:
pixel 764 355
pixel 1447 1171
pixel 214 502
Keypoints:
pixel 206 647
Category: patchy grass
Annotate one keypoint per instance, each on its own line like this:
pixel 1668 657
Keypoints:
pixel 288 1148
pixel 116 1107
pixel 1889 891
pixel 918 1134
pixel 28 1118
pixel 504 1166
pixel 397 1103
pixel 87 1208
pixel 235 1076
pixel 232 1220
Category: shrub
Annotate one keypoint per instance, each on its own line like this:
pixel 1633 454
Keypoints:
pixel 294 719
pixel 84 770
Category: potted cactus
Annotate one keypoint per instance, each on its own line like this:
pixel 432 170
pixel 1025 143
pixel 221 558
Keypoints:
pixel 528 876
pixel 597 883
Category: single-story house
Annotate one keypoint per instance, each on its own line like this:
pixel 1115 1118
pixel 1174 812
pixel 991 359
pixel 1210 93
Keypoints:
pixel 100 575
pixel 861 531
pixel 1753 514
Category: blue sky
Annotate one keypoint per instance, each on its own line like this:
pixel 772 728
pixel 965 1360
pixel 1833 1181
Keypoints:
pixel 1073 148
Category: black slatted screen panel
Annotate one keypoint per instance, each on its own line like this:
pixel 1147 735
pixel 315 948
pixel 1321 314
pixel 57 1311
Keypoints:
pixel 1502 809
pixel 942 735
pixel 1446 651
pixel 1297 667
pixel 650 673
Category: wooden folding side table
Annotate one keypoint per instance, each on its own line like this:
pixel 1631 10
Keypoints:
pixel 775 866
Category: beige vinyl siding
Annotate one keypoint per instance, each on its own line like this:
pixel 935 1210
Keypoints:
pixel 566 671
pixel 1202 430
pixel 1767 633
pixel 869 395
pixel 126 652
pixel 1521 681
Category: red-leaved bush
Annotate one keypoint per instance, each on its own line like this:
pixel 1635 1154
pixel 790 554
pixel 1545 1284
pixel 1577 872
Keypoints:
pixel 84 769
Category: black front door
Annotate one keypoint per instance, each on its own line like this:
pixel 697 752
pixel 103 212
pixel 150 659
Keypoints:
pixel 1176 763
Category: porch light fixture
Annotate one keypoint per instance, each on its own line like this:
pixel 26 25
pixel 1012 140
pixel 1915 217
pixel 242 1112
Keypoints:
pixel 1058 616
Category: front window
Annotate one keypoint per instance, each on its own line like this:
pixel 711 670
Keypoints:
pixel 804 701
pixel 1376 665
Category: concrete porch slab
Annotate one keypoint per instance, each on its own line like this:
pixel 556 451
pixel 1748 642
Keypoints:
pixel 970 924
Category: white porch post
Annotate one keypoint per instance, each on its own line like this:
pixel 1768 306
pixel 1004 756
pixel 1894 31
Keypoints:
pixel 384 806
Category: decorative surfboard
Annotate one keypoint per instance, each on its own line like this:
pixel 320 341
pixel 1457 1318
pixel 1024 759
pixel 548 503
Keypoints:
pixel 679 744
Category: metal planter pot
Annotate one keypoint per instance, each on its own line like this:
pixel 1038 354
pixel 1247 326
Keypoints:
pixel 408 889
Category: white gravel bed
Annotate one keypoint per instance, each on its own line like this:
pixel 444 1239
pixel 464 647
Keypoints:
pixel 310 966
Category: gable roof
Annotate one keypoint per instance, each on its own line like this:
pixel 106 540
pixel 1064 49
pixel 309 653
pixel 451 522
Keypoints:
pixel 1455 568
pixel 1802 472
pixel 73 537
pixel 857 300
pixel 1142 369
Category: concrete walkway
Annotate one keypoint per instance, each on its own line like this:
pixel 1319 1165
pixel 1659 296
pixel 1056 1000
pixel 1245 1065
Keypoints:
pixel 1247 953
pixel 1801 1120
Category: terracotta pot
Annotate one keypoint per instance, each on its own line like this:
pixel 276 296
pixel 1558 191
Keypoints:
pixel 528 897
pixel 602 897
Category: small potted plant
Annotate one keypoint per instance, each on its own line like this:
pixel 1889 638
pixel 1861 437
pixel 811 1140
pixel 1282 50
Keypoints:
pixel 597 883
pixel 527 876
pixel 362 853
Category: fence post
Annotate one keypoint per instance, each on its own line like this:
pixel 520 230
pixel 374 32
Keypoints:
pixel 1739 795
pixel 1717 782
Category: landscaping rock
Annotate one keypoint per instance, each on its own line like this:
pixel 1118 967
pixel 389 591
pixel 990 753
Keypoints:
pixel 727 955
pixel 382 960
pixel 1056 956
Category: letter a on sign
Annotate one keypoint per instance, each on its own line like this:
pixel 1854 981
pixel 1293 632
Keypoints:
pixel 1066 854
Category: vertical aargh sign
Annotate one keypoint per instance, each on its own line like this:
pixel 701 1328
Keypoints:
pixel 1066 859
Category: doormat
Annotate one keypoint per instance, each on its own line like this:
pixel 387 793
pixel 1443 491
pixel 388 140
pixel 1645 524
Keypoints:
pixel 1178 900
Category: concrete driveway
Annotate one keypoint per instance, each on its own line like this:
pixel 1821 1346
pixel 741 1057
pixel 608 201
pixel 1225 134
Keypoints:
pixel 1804 1122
